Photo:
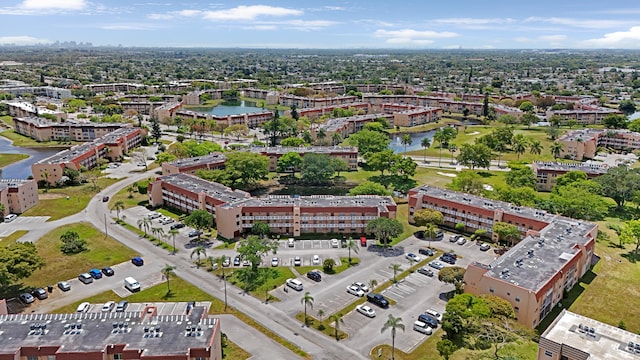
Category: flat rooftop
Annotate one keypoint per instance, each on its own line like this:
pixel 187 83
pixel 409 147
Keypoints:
pixel 197 185
pixel 335 123
pixel 212 158
pixel 115 135
pixel 281 150
pixel 588 168
pixel 605 343
pixel 84 332
pixel 536 259
pixel 69 154
pixel 584 134
pixel 363 201
pixel 42 122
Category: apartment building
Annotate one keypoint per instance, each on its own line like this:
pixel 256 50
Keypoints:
pixel 236 211
pixel 19 88
pixel 42 129
pixel 346 126
pixel 18 195
pixel 143 333
pixel 417 116
pixel 532 276
pixel 121 141
pixel 190 165
pixel 576 337
pixel 547 172
pixel 348 154
pixel 115 87
pixel 506 110
pixel 584 143
pixel 252 120
pixel 593 116
pixel 25 109
pixel 315 113
pixel 307 102
pixel 167 111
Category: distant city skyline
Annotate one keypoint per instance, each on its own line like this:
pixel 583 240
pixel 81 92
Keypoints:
pixel 372 24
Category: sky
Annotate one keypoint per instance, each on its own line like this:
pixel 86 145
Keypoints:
pixel 326 24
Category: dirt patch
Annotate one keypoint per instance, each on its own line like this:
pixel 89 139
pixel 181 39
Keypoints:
pixel 50 196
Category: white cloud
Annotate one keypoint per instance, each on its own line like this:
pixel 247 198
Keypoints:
pixel 22 40
pixel 127 26
pixel 246 13
pixel 582 23
pixel 474 21
pixel 618 39
pixel 374 22
pixel 160 16
pixel 309 24
pixel 53 4
pixel 410 36
pixel 261 27
pixel 553 38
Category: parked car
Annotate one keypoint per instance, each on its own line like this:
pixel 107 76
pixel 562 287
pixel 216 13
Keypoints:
pixel 105 198
pixel 412 257
pixel 429 320
pixel 108 271
pixel 343 243
pixel 425 251
pixel 108 306
pixel 291 242
pixel 137 261
pixel 354 290
pixel 122 306
pixel 40 293
pixel 95 273
pixel 421 327
pixel 335 243
pixel 176 226
pixel 436 264
pixel 363 241
pixel 362 286
pixel 83 307
pixel 295 284
pixel 425 271
pixel 378 300
pixel 434 314
pixel 64 286
pixel 316 260
pixel 448 259
pixel 154 214
pixel 85 278
pixel 314 275
pixel 194 233
pixel 236 261
pixel 453 238
pixel 461 240
pixel 226 262
pixel 275 261
pixel 26 298
pixel 10 218
pixel 366 310
pixel 297 261
pixel 485 247
pixel 246 263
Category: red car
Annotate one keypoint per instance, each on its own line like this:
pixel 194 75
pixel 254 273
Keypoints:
pixel 363 241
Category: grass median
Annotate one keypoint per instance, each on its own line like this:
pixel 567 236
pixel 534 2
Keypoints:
pixel 8 159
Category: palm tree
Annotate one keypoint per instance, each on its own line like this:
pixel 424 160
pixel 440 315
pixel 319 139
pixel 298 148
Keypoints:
pixel 320 314
pixel 425 143
pixel 440 137
pixel 519 146
pixel 172 235
pixel 321 134
pixel 219 260
pixel 372 284
pixel 430 232
pixel 395 268
pixel 45 177
pixel 393 323
pixel 199 251
pixel 118 206
pixel 167 272
pixel 535 147
pixel 500 147
pixel 352 245
pixel 307 300
pixel 144 224
pixel 452 150
pixel 556 149
pixel 337 320
pixel 131 189
pixel 336 138
pixel 158 233
pixel 406 140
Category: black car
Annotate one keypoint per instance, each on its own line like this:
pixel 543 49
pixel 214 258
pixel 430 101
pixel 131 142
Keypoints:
pixel 314 275
pixel 137 261
pixel 176 226
pixel 236 261
pixel 378 300
pixel 425 251
pixel 448 259
pixel 105 199
pixel 343 243
pixel 194 233
pixel 429 320
pixel 107 271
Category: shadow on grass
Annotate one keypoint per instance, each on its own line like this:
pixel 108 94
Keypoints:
pixel 485 174
pixel 168 295
pixel 632 256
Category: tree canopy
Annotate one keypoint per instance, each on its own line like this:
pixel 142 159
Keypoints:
pixel 199 219
pixel 369 188
pixel 18 261
pixel 620 183
pixel 475 156
pixel 422 217
pixel 384 229
pixel 369 141
pixel 317 168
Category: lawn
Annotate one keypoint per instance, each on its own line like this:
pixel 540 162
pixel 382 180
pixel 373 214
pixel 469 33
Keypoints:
pixel 8 159
pixel 103 251
pixel 62 202
pixel 21 140
pixel 136 198
pixel 184 291
pixel 7 119
pixel 12 238
pixel 283 273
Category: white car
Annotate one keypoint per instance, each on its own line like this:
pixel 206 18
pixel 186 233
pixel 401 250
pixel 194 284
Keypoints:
pixel 335 243
pixel 413 257
pixel 166 220
pixel 108 306
pixel 461 241
pixel 316 260
pixel 275 261
pixel 83 307
pixel 354 290
pixel 297 261
pixel 421 327
pixel 362 286
pixel 366 310
pixel 435 314
pixel 154 215
pixel 485 247
pixel 294 284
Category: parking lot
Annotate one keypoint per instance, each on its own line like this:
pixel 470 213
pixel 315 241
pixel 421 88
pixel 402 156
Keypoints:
pixel 21 222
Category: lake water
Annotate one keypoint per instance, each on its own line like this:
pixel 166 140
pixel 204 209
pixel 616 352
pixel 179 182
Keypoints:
pixel 22 169
pixel 231 108
pixel 396 141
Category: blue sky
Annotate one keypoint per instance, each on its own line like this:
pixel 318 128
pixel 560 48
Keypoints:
pixel 403 24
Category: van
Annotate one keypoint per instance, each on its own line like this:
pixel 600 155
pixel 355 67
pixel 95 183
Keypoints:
pixel 295 284
pixel 10 218
pixel 131 284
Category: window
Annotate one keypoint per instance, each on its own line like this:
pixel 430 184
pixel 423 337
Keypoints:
pixel 491 290
pixel 517 298
pixel 117 357
pixel 32 357
pixel 516 309
pixel 51 357
pixel 548 353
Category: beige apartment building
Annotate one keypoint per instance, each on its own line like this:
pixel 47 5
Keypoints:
pixel 42 129
pixel 576 337
pixel 191 165
pixel 534 274
pixel 417 116
pixel 584 143
pixel 546 173
pixel 18 195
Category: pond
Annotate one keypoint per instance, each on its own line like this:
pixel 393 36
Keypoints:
pixel 22 169
pixel 231 108
pixel 416 139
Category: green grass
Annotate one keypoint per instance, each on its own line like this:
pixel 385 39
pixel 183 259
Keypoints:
pixel 166 244
pixel 12 238
pixel 21 140
pixel 324 326
pixel 136 198
pixel 54 203
pixel 103 251
pixel 283 273
pixel 184 291
pixel 8 159
pixel 7 119
pixel 344 265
